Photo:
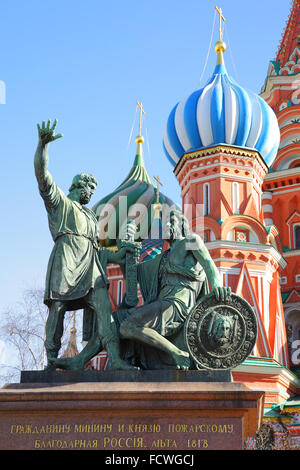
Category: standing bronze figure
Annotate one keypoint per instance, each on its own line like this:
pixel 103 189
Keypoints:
pixel 76 271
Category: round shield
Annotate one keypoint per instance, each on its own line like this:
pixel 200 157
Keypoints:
pixel 220 334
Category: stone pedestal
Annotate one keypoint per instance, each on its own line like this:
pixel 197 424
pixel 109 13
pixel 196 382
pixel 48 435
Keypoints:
pixel 137 376
pixel 151 415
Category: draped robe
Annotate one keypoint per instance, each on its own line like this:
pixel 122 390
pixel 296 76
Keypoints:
pixel 162 285
pixel 74 267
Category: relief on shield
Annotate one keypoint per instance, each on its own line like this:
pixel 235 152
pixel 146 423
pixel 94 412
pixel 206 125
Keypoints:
pixel 220 335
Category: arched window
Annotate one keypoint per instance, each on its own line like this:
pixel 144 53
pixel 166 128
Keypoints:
pixel 283 106
pixel 119 292
pixel 297 237
pixel 206 199
pixel 235 198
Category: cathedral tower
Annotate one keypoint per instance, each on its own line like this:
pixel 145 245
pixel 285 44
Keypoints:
pixel 221 141
pixel 282 184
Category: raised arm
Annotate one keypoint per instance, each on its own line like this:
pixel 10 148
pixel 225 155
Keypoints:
pixel 46 135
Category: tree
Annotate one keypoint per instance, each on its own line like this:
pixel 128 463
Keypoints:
pixel 22 332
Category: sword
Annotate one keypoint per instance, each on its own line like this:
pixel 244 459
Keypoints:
pixel 131 297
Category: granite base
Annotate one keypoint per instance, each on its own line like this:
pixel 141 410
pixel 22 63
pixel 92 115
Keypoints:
pixel 129 416
pixel 74 376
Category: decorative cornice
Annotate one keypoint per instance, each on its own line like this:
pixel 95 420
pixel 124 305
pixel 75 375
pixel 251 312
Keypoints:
pixel 280 80
pixel 282 174
pixel 219 149
pixel 220 162
pixel 291 253
pixel 219 175
pixel 253 247
pixel 269 367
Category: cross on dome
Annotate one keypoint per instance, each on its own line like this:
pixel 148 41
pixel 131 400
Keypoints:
pixel 157 187
pixel 140 105
pixel 140 139
pixel 220 46
pixel 222 112
pixel 221 17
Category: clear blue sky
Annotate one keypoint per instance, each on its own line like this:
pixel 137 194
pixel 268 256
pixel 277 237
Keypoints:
pixel 86 64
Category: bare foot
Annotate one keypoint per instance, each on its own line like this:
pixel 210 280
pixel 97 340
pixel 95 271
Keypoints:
pixel 182 360
pixel 68 363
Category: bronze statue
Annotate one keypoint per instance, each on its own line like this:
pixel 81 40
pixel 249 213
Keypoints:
pixel 171 284
pixel 76 271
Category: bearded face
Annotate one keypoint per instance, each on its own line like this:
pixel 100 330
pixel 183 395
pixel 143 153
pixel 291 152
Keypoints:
pixel 173 228
pixel 82 188
pixel 85 195
pixel 222 331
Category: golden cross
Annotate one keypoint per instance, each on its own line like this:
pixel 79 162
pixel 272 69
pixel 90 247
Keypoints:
pixel 157 188
pixel 140 105
pixel 219 10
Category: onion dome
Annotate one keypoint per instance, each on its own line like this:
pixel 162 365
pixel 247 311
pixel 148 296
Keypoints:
pixel 71 349
pixel 222 112
pixel 135 198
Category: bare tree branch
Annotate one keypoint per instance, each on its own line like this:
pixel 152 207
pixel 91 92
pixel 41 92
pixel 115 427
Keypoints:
pixel 22 330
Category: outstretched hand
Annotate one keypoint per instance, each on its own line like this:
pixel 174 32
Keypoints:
pixel 221 293
pixel 47 133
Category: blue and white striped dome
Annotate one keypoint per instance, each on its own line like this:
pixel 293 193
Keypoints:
pixel 221 113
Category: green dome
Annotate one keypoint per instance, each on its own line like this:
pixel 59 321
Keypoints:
pixel 134 198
